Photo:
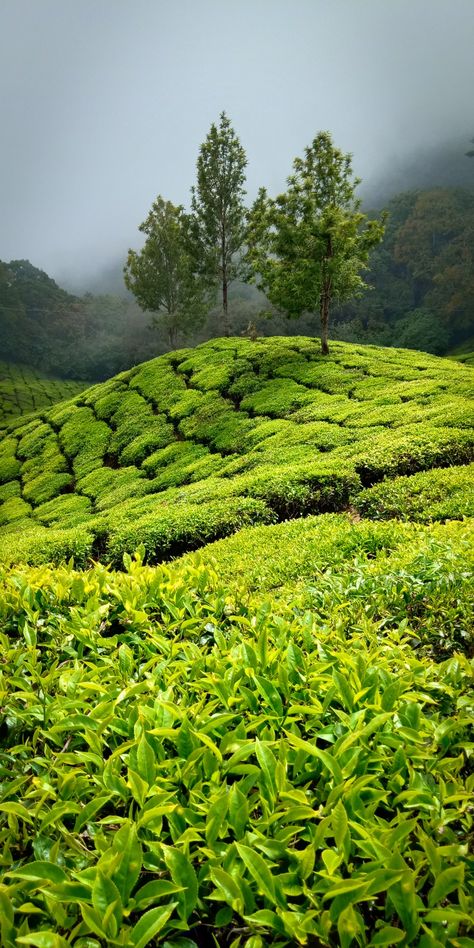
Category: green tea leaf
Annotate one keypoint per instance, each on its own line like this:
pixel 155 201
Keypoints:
pixel 339 824
pixel 268 764
pixel 229 887
pixel 388 936
pixel 150 924
pixel 39 872
pixel 259 871
pixel 42 939
pixel 155 891
pixel 17 809
pixel 126 874
pixel 183 875
pixel 447 880
pixel 238 811
pixel 146 761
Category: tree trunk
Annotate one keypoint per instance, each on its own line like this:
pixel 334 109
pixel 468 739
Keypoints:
pixel 225 307
pixel 324 313
pixel 325 298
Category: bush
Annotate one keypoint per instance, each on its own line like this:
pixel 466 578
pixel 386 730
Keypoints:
pixel 232 763
pixel 313 422
pixel 14 508
pixel 184 526
pixel 432 495
pixel 45 486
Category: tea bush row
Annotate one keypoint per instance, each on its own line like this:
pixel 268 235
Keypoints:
pixel 269 420
pixel 24 390
pixel 431 495
pixel 180 758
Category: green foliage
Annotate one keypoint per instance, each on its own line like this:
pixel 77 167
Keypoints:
pixel 309 246
pixel 422 276
pixel 179 756
pixel 216 225
pixel 24 390
pixel 161 275
pixel 270 421
pixel 432 495
pixel 186 526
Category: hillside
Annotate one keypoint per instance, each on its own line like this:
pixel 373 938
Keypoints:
pixel 193 445
pixel 23 390
pixel 267 741
pixel 464 353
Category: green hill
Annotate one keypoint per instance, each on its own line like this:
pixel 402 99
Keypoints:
pixel 464 353
pixel 267 741
pixel 193 445
pixel 23 390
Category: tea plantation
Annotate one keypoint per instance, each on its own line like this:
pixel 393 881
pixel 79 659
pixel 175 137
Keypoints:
pixel 193 445
pixel 268 740
pixel 23 390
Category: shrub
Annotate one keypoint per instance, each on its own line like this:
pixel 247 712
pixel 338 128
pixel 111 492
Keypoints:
pixel 184 526
pixel 10 466
pixel 230 764
pixel 276 398
pixel 11 489
pixel 45 486
pixel 14 508
pixel 67 510
pixel 432 495
pixel 158 434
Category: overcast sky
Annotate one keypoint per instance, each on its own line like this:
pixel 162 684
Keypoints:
pixel 104 103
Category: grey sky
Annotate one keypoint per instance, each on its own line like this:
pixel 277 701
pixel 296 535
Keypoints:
pixel 104 103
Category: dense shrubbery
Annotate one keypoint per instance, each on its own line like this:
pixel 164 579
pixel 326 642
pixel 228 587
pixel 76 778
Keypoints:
pixel 266 742
pixel 231 423
pixel 431 495
pixel 24 390
pixel 189 762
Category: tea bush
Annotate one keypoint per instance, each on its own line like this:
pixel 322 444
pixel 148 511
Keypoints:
pixel 24 390
pixel 445 494
pixel 270 420
pixel 181 761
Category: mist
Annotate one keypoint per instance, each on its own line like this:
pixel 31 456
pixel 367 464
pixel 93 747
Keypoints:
pixel 104 105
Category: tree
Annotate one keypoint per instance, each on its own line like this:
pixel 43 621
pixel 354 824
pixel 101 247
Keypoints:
pixel 162 275
pixel 217 222
pixel 308 247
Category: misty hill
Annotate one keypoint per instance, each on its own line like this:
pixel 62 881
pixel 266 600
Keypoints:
pixel 444 165
pixel 46 327
pixel 198 443
pixel 422 298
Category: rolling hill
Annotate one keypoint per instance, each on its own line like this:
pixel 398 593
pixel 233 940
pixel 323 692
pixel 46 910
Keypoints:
pixel 268 740
pixel 193 445
pixel 24 390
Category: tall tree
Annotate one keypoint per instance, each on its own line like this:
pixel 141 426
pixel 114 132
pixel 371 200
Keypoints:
pixel 162 275
pixel 217 221
pixel 309 246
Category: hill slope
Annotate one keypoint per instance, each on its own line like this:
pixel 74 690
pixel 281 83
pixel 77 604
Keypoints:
pixel 24 390
pixel 195 444
pixel 268 741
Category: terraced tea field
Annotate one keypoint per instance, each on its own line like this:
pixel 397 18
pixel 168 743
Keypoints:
pixel 268 740
pixel 24 390
pixel 196 444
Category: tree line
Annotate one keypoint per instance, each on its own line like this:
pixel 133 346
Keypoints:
pixel 421 275
pixel 306 249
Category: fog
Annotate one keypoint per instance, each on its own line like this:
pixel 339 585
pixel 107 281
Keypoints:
pixel 104 104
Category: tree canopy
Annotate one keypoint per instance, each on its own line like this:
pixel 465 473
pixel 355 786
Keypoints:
pixel 309 246
pixel 217 220
pixel 162 275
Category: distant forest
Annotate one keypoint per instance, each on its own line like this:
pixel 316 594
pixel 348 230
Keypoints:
pixel 422 297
